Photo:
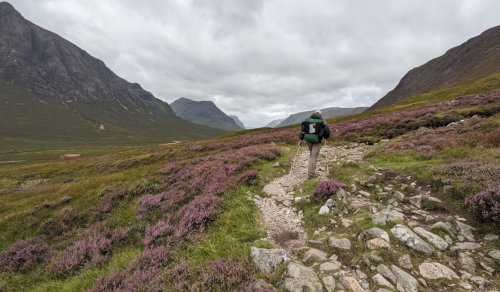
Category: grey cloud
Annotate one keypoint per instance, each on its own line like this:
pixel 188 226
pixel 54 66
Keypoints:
pixel 263 60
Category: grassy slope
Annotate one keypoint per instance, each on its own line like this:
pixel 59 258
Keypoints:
pixel 32 122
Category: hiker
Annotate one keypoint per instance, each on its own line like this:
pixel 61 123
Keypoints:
pixel 313 130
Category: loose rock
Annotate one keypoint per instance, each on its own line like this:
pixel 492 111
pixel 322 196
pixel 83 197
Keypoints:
pixel 410 239
pixel 314 255
pixel 268 260
pixel 405 262
pixel 467 262
pixel 465 246
pixel 432 238
pixel 385 216
pixel 374 233
pixel 299 277
pixel 329 283
pixel 436 270
pixel 406 280
pixel 380 280
pixel 342 243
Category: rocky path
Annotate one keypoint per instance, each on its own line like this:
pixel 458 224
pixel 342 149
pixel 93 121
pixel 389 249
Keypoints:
pixel 410 243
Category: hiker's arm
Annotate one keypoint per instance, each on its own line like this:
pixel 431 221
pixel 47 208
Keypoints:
pixel 327 131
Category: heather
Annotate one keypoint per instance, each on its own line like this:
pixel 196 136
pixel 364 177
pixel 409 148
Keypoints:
pixel 326 189
pixel 486 204
pixel 24 255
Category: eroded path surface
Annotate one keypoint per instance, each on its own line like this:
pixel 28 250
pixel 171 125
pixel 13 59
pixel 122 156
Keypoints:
pixel 283 223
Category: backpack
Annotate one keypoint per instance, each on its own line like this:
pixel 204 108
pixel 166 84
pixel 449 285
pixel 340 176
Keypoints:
pixel 312 129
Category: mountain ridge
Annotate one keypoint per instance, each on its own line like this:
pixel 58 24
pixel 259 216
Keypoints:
pixel 204 113
pixel 476 58
pixel 328 113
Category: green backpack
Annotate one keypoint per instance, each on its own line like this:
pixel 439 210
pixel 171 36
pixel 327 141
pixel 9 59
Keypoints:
pixel 311 129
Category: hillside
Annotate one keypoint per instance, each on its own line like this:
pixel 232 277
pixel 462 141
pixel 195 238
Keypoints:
pixel 238 122
pixel 328 113
pixel 54 93
pixel 415 180
pixel 204 113
pixel 274 123
pixel 474 59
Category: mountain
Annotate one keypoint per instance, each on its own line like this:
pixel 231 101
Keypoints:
pixel 204 113
pixel 328 113
pixel 274 123
pixel 52 92
pixel 474 59
pixel 238 122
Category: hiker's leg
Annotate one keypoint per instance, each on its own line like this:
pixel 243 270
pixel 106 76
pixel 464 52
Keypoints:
pixel 312 159
pixel 310 145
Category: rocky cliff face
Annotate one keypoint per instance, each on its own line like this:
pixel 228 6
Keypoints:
pixel 476 58
pixel 204 113
pixel 42 61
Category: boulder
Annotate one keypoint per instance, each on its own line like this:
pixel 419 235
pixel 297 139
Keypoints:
pixel 432 238
pixel 407 281
pixel 398 196
pixel 416 201
pixel 386 273
pixel 381 281
pixel 377 243
pixel 465 230
pixel 494 254
pixel 373 233
pixel 328 267
pixel 342 243
pixel 385 216
pixel 410 239
pixel 465 246
pixel 324 210
pixel 490 237
pixel 314 255
pixel 405 262
pixel 434 270
pixel 268 260
pixel 441 225
pixel 329 283
pixel 351 284
pixel 467 262
pixel 299 278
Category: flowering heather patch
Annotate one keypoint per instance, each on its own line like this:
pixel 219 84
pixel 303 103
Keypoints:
pixel 426 151
pixel 486 204
pixel 148 203
pixel 468 176
pixel 249 177
pixel 224 275
pixel 327 188
pixel 195 216
pixel 390 125
pixel 23 255
pixel 96 249
pixel 159 234
pixel 70 260
pixel 111 282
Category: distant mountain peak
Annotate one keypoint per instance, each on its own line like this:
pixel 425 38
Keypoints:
pixel 204 112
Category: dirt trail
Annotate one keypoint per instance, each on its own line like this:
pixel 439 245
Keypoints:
pixel 283 224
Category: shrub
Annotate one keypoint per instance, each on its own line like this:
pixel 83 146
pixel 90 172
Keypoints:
pixel 195 216
pixel 224 275
pixel 327 188
pixel 426 151
pixel 486 204
pixel 159 234
pixel 70 260
pixel 148 203
pixel 111 282
pixel 24 255
pixel 249 177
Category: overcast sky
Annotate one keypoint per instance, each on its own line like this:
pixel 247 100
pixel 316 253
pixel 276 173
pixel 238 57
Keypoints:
pixel 263 60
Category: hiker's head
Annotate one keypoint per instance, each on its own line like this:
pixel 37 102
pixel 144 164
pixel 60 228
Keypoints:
pixel 318 112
